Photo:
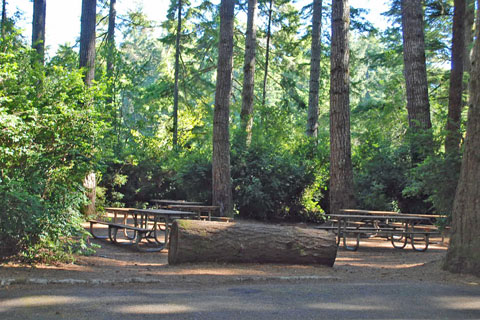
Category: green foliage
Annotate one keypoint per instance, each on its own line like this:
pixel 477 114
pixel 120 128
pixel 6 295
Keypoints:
pixel 47 145
pixel 380 174
pixel 268 183
pixel 434 177
pixel 134 184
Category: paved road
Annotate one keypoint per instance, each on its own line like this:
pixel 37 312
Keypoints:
pixel 285 300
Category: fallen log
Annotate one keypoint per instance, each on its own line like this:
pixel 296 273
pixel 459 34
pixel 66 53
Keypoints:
pixel 208 241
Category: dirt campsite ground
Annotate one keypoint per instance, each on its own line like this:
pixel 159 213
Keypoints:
pixel 375 260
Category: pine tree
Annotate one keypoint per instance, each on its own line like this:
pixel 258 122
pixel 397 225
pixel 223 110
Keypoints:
pixel 222 190
pixel 341 172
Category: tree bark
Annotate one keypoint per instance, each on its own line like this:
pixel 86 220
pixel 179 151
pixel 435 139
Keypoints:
pixel 111 38
pixel 341 172
pixel 38 28
pixel 87 40
pixel 177 67
pixel 4 17
pixel 453 137
pixel 90 184
pixel 312 122
pixel 110 100
pixel 206 241
pixel 249 73
pixel 415 70
pixel 87 61
pixel 222 190
pixel 464 251
pixel 469 33
pixel 267 54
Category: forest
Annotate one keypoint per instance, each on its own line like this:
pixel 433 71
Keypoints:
pixel 271 111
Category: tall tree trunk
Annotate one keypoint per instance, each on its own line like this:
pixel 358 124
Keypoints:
pixel 87 40
pixel 87 61
pixel 469 33
pixel 222 190
pixel 111 38
pixel 415 70
pixel 249 73
pixel 312 122
pixel 463 253
pixel 452 140
pixel 267 54
pixel 177 67
pixel 4 17
pixel 110 101
pixel 341 172
pixel 38 28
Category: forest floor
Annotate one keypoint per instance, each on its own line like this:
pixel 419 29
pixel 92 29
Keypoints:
pixel 375 260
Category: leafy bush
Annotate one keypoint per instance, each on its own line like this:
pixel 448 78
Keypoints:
pixel 134 184
pixel 193 180
pixel 268 184
pixel 47 135
pixel 437 177
pixel 380 178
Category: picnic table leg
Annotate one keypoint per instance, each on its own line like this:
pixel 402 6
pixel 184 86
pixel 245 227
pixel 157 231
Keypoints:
pixel 151 234
pixel 125 232
pixel 426 238
pixel 156 229
pixel 404 236
pixel 338 232
pixel 350 248
pixel 138 239
pixel 93 234
pixel 394 241
pixel 345 233
pixel 112 233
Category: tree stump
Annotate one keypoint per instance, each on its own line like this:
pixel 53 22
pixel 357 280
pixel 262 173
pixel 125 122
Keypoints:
pixel 207 241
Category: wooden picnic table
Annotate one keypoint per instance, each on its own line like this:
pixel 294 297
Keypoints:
pixel 390 213
pixel 209 210
pixel 381 224
pixel 166 202
pixel 147 224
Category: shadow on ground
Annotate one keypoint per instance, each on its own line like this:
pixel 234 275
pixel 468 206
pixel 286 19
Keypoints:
pixel 376 259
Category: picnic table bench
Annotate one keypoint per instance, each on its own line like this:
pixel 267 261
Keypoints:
pixel 147 224
pixel 113 228
pixel 397 227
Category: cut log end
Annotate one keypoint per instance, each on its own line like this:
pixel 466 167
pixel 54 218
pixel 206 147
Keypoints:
pixel 207 241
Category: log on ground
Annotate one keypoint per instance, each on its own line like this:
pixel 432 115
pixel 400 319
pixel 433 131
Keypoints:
pixel 208 241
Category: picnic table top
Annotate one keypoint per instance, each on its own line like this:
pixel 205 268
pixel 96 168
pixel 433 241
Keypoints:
pixel 151 211
pixel 193 207
pixel 390 213
pixel 164 212
pixel 373 217
pixel 183 202
pixel 118 209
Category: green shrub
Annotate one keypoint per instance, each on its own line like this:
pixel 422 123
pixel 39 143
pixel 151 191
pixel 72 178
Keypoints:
pixel 269 184
pixel 47 135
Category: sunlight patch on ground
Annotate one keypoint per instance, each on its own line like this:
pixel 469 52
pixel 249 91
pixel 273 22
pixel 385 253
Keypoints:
pixel 345 259
pixel 37 301
pixel 342 306
pixel 384 266
pixel 459 303
pixel 160 308
pixel 216 271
